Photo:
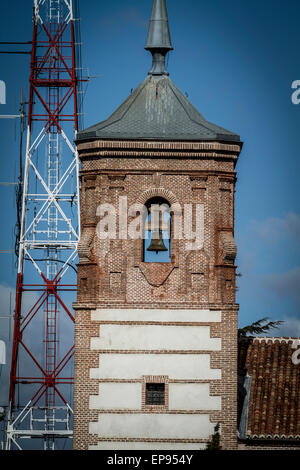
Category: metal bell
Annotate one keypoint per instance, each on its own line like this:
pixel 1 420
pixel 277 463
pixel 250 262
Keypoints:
pixel 157 242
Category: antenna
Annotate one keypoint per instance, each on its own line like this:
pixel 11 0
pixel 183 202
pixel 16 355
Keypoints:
pixel 48 231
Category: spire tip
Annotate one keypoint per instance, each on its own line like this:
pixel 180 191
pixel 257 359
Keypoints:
pixel 159 38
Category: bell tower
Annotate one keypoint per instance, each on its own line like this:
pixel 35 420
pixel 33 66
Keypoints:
pixel 156 316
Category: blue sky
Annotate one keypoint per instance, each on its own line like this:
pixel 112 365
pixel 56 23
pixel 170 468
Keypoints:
pixel 236 60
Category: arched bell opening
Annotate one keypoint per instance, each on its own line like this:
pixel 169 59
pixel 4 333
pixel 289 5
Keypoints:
pixel 157 237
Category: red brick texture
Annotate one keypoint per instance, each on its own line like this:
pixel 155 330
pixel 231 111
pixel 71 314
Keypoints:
pixel 111 274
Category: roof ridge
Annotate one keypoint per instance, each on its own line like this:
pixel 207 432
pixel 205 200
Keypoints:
pixel 184 104
pixel 276 338
pixel 196 110
pixel 136 92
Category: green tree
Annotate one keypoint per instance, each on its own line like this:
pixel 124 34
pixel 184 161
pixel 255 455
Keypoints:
pixel 258 327
pixel 214 443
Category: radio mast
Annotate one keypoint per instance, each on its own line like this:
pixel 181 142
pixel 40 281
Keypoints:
pixel 41 374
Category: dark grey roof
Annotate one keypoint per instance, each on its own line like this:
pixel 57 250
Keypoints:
pixel 157 110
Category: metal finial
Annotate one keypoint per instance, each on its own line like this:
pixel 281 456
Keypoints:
pixel 159 38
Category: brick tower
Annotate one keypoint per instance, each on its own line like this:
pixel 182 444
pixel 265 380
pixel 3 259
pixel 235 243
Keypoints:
pixel 156 317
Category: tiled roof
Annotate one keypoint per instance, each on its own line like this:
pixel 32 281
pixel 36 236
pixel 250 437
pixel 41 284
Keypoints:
pixel 272 405
pixel 157 110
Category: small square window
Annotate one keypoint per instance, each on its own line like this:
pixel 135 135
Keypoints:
pixel 155 394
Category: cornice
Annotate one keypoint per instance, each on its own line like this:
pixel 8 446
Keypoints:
pixel 158 149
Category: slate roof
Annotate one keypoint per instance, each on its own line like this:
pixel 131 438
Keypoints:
pixel 157 110
pixel 272 398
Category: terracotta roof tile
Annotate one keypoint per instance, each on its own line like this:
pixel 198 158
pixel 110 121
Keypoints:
pixel 274 401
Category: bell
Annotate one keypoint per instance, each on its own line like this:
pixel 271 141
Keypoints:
pixel 157 242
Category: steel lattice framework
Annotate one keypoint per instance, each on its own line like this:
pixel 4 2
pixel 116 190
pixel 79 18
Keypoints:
pixel 49 232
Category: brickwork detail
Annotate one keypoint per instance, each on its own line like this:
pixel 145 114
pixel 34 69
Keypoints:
pixel 111 273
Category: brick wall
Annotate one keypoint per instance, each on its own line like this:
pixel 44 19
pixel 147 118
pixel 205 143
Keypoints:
pixel 111 274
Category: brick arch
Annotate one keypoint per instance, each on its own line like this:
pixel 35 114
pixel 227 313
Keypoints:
pixel 157 192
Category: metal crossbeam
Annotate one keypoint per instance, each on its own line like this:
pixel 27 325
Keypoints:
pixel 49 226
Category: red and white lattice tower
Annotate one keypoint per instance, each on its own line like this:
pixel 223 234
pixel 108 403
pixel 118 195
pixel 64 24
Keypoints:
pixel 41 375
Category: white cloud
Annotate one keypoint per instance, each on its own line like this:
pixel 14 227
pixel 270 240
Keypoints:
pixel 7 306
pixel 277 229
pixel 290 328
pixel 133 15
pixel 284 284
pixel 33 337
pixel 7 297
pixel 6 293
pixel 122 18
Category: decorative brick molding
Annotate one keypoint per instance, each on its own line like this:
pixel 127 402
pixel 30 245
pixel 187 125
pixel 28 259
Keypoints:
pixel 153 149
pixel 163 379
pixel 180 172
pixel 156 275
pixel 228 248
pixel 157 192
pixel 154 145
pixel 85 244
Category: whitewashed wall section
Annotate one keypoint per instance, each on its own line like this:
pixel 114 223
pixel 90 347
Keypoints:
pixel 135 445
pixel 155 337
pixel 115 337
pixel 157 315
pixel 158 426
pixel 134 366
pixel 117 396
pixel 128 396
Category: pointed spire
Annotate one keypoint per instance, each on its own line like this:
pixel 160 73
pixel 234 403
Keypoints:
pixel 159 38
